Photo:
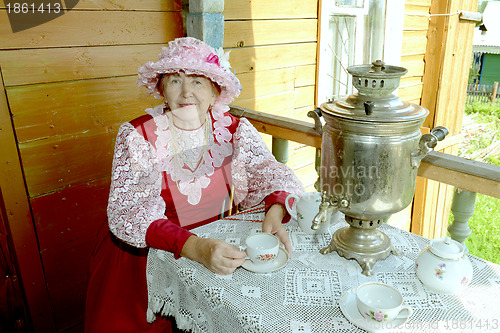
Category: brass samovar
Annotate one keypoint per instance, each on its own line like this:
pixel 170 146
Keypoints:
pixel 371 150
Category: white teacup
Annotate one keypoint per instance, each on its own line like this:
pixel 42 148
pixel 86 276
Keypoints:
pixel 304 209
pixel 380 303
pixel 262 248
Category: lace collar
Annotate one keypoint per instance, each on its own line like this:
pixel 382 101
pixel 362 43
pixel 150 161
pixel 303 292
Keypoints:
pixel 191 182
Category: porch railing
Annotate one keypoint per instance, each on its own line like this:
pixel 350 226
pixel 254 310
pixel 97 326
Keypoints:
pixel 467 176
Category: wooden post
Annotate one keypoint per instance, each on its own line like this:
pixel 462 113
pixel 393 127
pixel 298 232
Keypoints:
pixel 447 59
pixel 494 92
pixel 206 22
pixel 462 208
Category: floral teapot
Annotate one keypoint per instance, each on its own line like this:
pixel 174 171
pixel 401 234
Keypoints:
pixel 443 266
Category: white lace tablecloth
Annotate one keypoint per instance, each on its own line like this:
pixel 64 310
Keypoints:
pixel 304 295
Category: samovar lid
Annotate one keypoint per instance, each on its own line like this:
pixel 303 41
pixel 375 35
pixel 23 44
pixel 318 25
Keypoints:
pixel 377 69
pixel 374 101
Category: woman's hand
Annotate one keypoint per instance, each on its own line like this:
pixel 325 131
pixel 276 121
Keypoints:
pixel 272 225
pixel 218 256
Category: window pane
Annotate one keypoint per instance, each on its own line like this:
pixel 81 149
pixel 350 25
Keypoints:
pixel 350 3
pixel 343 32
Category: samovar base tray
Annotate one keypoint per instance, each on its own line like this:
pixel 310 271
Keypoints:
pixel 366 246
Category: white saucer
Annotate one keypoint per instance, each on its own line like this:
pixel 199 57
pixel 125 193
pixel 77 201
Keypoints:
pixel 276 264
pixel 350 310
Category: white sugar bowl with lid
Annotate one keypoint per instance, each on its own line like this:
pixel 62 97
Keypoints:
pixel 443 266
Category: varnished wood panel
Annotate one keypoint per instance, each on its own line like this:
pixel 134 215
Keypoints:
pixel 305 75
pixel 276 103
pixel 307 175
pixel 271 57
pixel 59 162
pixel 304 96
pixel 410 81
pixel 401 219
pixel 416 22
pixel 415 65
pixel 410 92
pixel 13 306
pixel 268 32
pixel 66 270
pixel 90 28
pixel 302 157
pixel 67 222
pixel 300 113
pixel 58 109
pixel 22 232
pixel 265 9
pixel 75 63
pixel 414 43
pixel 69 214
pixel 417 9
pixel 256 84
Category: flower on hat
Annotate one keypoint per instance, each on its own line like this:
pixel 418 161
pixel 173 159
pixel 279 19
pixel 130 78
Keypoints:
pixel 224 59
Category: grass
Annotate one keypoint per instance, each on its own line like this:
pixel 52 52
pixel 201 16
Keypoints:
pixel 484 242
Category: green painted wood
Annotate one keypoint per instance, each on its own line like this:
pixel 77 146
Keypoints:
pixel 462 208
pixel 490 71
pixel 280 149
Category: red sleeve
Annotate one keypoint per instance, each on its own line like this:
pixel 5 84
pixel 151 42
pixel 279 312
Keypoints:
pixel 278 197
pixel 165 235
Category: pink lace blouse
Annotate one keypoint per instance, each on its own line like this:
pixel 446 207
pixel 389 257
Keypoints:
pixel 155 196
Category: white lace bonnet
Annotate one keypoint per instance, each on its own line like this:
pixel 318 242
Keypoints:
pixel 192 56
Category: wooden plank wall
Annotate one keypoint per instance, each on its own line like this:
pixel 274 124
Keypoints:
pixel 273 51
pixel 69 84
pixel 413 49
pixel 446 60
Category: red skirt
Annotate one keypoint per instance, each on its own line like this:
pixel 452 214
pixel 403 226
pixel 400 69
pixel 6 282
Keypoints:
pixel 117 297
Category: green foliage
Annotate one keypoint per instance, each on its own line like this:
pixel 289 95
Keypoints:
pixel 473 71
pixel 483 109
pixel 484 242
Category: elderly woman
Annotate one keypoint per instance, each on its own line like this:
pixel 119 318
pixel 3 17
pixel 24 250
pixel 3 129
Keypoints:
pixel 173 170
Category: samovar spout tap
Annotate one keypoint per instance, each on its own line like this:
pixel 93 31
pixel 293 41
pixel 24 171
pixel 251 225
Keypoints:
pixel 427 144
pixel 324 210
pixel 328 204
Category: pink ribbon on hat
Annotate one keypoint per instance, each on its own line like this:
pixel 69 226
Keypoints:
pixel 213 59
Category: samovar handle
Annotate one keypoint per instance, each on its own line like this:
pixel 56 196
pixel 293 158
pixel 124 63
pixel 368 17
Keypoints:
pixel 316 115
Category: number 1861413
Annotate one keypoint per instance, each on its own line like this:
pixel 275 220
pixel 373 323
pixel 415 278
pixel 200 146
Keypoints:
pixel 26 8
